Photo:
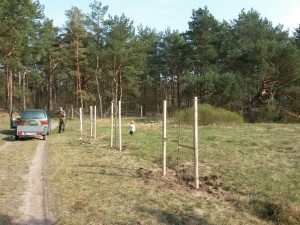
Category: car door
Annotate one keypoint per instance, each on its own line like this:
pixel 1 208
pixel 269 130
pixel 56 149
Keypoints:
pixel 15 115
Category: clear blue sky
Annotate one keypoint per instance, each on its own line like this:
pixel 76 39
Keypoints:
pixel 175 14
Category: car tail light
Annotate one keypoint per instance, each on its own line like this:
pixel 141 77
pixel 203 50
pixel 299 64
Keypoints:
pixel 20 133
pixel 22 122
pixel 44 122
pixel 39 133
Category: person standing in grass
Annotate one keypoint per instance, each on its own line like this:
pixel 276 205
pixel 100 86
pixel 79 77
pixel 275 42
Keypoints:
pixel 62 120
pixel 132 128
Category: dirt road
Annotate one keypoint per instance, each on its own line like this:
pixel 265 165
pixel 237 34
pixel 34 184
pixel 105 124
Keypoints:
pixel 35 209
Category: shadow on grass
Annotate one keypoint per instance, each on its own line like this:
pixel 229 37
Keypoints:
pixel 7 220
pixel 9 135
pixel 36 222
pixel 105 170
pixel 7 132
pixel 164 217
pixel 273 210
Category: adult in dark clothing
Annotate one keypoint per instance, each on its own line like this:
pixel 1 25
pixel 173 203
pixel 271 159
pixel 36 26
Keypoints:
pixel 62 120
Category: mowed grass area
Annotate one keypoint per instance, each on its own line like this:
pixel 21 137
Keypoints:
pixel 249 174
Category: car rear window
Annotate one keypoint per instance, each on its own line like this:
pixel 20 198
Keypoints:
pixel 34 115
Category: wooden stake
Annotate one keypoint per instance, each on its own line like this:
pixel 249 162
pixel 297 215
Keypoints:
pixel 196 160
pixel 164 137
pixel 72 112
pixel 95 121
pixel 91 119
pixel 112 124
pixel 120 127
pixel 80 116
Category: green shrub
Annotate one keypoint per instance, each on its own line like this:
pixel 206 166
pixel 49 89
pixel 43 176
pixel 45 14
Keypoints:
pixel 208 114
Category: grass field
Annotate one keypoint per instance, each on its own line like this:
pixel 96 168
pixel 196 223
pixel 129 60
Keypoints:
pixel 249 174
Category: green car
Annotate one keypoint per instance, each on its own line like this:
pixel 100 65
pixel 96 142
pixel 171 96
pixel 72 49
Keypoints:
pixel 28 119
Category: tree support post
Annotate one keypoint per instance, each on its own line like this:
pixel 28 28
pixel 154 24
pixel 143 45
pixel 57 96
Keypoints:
pixel 120 127
pixel 112 124
pixel 80 116
pixel 95 121
pixel 164 137
pixel 91 119
pixel 196 159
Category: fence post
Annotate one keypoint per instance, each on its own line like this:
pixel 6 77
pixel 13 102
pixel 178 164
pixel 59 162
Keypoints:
pixel 91 119
pixel 164 137
pixel 112 124
pixel 196 160
pixel 80 116
pixel 72 112
pixel 120 127
pixel 95 121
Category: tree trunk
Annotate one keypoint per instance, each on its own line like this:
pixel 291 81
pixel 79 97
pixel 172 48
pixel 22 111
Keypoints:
pixel 178 91
pixel 172 91
pixel 23 75
pixel 20 88
pixel 51 81
pixel 37 97
pixel 50 87
pixel 120 84
pixel 144 112
pixel 98 88
pixel 79 99
pixel 9 89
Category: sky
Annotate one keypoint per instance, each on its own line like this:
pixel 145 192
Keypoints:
pixel 175 14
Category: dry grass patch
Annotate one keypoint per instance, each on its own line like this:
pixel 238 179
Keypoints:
pixel 97 185
pixel 240 168
pixel 15 158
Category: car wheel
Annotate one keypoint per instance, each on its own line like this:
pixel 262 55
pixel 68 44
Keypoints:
pixel 44 137
pixel 16 137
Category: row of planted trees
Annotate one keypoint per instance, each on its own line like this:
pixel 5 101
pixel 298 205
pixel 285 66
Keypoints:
pixel 246 65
